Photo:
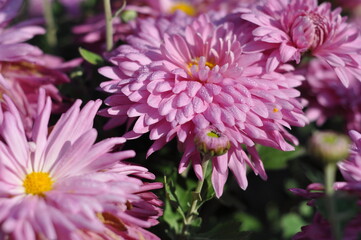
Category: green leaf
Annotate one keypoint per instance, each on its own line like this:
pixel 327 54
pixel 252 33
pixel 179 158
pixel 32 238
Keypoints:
pixel 291 223
pixel 173 213
pixel 274 159
pixel 208 190
pixel 91 57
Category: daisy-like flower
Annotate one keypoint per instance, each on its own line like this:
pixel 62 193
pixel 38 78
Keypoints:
pixel 290 28
pixel 59 184
pixel 328 97
pixel 200 80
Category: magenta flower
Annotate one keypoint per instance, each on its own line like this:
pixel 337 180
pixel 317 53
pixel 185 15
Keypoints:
pixel 60 184
pixel 197 79
pixel 290 28
pixel 328 97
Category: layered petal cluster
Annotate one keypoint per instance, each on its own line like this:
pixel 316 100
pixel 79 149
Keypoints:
pixel 197 80
pixel 25 68
pixel 328 97
pixel 290 28
pixel 59 184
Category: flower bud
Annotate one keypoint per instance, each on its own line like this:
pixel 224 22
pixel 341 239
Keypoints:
pixel 328 146
pixel 211 142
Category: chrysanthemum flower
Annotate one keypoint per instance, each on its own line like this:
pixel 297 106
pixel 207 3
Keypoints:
pixel 60 184
pixel 198 79
pixel 25 68
pixel 328 97
pixel 290 28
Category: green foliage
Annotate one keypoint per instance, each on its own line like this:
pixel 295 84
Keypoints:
pixel 248 222
pixel 91 57
pixel 291 223
pixel 274 159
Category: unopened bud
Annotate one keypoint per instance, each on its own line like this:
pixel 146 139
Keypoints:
pixel 211 142
pixel 128 15
pixel 329 146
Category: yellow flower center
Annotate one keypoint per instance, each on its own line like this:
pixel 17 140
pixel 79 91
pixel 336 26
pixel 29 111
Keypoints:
pixel 184 7
pixel 276 110
pixel 37 183
pixel 195 62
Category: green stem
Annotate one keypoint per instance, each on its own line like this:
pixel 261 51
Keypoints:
pixel 50 23
pixel 193 211
pixel 330 174
pixel 109 24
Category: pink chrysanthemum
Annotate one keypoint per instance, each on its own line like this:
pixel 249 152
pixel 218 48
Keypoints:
pixel 25 68
pixel 197 79
pixel 60 184
pixel 289 28
pixel 328 97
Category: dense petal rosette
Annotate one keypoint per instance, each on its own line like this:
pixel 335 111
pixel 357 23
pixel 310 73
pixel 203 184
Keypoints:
pixel 60 184
pixel 289 28
pixel 200 78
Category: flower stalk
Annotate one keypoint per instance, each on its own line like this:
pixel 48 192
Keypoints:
pixel 197 200
pixel 109 24
pixel 50 23
pixel 330 174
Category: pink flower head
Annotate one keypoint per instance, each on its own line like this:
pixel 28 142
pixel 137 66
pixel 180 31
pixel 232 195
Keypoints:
pixel 12 46
pixel 289 28
pixel 328 97
pixel 197 79
pixel 25 68
pixel 60 184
